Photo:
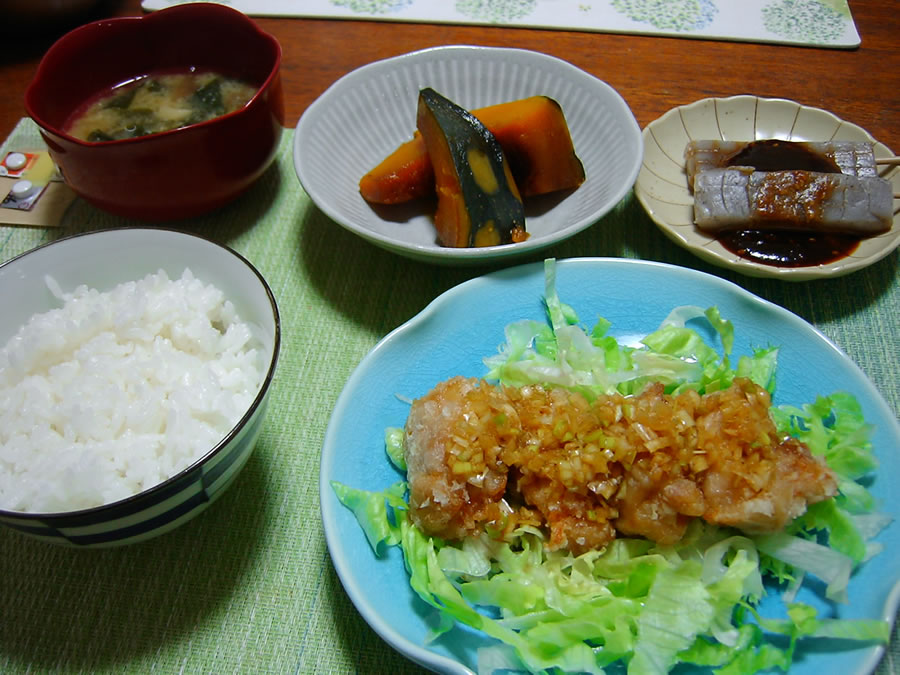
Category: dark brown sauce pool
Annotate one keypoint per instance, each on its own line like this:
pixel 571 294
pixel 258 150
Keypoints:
pixel 786 248
pixel 789 248
pixel 774 155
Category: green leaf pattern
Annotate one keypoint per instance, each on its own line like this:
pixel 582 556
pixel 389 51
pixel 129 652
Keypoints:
pixel 677 15
pixel 495 11
pixel 804 20
pixel 373 6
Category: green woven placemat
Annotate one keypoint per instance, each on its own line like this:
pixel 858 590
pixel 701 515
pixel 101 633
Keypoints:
pixel 248 586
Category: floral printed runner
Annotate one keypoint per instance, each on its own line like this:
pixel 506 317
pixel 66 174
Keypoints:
pixel 823 23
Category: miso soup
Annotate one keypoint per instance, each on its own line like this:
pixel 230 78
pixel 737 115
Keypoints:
pixel 157 103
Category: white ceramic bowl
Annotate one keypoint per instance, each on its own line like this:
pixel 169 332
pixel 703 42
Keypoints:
pixel 662 185
pixel 366 114
pixel 103 260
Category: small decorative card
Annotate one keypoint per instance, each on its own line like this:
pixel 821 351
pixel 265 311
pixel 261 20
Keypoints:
pixel 821 23
pixel 31 190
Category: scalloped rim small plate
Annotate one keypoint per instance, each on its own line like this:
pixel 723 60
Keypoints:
pixel 662 187
pixel 367 113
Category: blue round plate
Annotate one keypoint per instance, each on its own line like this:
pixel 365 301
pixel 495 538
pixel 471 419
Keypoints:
pixel 457 330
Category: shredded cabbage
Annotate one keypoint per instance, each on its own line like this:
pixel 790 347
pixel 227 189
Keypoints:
pixel 643 605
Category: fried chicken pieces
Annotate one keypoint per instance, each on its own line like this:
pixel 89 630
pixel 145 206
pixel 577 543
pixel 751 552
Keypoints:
pixel 481 456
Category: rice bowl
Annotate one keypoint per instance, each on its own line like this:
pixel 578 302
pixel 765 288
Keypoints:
pixel 117 391
pixel 132 388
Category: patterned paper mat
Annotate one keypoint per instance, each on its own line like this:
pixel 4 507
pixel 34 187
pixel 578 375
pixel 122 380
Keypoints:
pixel 824 23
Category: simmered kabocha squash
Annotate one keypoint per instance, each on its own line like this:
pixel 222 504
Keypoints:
pixel 402 176
pixel 534 136
pixel 478 201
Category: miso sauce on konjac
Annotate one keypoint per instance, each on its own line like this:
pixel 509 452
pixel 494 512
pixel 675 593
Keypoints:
pixel 774 155
pixel 789 248
pixel 786 248
pixel 156 103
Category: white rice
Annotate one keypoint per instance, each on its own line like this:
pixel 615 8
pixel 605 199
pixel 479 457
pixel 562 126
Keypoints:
pixel 117 391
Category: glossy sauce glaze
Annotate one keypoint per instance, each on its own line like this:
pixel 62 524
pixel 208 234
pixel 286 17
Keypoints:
pixel 786 248
pixel 789 248
pixel 775 155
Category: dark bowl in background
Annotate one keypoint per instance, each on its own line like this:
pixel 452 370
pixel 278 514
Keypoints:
pixel 175 174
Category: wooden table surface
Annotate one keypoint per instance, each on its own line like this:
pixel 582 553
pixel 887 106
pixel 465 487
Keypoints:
pixel 653 74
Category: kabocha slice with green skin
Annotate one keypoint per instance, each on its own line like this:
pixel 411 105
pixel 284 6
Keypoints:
pixel 478 201
pixel 534 136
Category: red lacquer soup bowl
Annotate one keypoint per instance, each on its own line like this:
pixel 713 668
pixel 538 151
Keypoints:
pixel 172 174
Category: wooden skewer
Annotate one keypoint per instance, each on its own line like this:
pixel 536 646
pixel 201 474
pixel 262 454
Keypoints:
pixel 890 161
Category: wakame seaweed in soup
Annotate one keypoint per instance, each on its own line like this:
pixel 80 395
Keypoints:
pixel 157 103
